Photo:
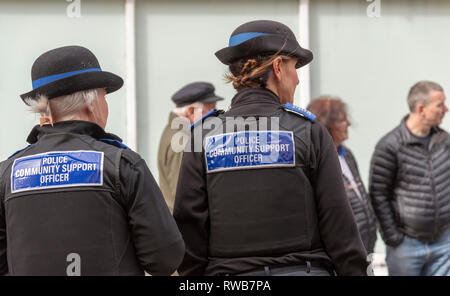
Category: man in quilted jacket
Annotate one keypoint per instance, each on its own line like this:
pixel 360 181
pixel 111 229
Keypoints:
pixel 410 187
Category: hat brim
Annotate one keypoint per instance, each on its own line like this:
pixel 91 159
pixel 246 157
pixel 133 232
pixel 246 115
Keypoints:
pixel 265 45
pixel 83 81
pixel 208 99
pixel 212 99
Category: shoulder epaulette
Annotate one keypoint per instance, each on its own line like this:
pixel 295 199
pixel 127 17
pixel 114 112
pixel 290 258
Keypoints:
pixel 114 142
pixel 299 111
pixel 213 112
pixel 19 151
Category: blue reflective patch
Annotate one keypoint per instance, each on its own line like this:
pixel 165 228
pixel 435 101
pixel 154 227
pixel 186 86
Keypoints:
pixel 48 79
pixel 240 38
pixel 250 150
pixel 116 143
pixel 300 111
pixel 57 169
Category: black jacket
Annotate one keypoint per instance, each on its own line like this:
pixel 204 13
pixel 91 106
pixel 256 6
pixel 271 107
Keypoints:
pixel 362 209
pixel 78 190
pixel 229 202
pixel 410 185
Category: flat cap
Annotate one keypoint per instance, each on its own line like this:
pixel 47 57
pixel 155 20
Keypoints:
pixel 195 92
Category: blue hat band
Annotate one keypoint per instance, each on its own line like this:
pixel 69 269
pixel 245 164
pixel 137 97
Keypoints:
pixel 239 38
pixel 48 79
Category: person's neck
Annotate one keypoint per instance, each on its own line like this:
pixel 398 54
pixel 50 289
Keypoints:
pixel 274 89
pixel 416 126
pixel 90 117
pixel 271 85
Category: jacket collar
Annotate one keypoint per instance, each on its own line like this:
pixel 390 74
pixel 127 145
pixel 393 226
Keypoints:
pixel 70 126
pixel 172 116
pixel 254 102
pixel 255 95
pixel 408 138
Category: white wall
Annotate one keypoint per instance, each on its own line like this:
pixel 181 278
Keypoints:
pixel 29 28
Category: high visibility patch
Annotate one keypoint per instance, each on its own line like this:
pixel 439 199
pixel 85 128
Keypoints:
pixel 56 170
pixel 249 150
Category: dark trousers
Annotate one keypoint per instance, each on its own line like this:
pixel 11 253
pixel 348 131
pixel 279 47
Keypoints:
pixel 295 270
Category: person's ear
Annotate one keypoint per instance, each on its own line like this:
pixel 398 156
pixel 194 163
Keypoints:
pixel 190 113
pixel 419 108
pixel 277 68
pixel 91 107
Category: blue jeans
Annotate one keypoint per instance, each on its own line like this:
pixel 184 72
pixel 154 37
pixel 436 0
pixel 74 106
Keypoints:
pixel 414 258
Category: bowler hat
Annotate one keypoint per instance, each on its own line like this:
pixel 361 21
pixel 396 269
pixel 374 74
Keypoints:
pixel 66 70
pixel 262 38
pixel 195 92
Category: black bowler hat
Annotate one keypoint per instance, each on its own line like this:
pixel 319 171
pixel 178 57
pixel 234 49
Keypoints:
pixel 195 92
pixel 263 38
pixel 66 70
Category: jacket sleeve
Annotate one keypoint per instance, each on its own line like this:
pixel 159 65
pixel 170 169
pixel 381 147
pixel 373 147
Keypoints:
pixel 337 225
pixel 192 214
pixel 383 170
pixel 3 254
pixel 158 242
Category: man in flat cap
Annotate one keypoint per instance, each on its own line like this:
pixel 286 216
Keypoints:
pixel 77 201
pixel 191 103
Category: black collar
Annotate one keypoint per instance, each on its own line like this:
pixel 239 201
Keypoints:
pixel 70 126
pixel 408 136
pixel 252 95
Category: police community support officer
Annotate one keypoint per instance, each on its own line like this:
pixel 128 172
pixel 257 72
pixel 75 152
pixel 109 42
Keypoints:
pixel 192 102
pixel 261 200
pixel 77 201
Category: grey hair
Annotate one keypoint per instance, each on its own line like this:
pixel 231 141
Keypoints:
pixel 181 111
pixel 64 107
pixel 419 93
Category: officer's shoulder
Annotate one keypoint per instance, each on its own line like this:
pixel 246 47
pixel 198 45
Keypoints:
pixel 10 160
pixel 131 157
pixel 210 114
pixel 114 142
pixel 288 107
pixel 3 166
pixel 18 152
pixel 126 153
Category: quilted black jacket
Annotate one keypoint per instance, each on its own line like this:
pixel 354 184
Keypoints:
pixel 410 185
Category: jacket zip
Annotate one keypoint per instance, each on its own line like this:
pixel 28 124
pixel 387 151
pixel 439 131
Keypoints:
pixel 433 186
